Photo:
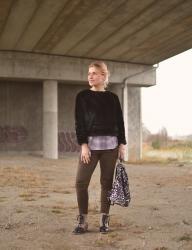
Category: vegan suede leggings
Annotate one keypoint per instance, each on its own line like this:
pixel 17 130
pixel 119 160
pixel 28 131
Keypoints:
pixel 107 159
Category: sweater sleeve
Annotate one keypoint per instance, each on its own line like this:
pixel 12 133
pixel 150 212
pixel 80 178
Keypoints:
pixel 120 123
pixel 80 121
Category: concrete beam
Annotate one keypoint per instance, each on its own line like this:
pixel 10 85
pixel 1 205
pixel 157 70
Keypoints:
pixel 40 66
pixel 142 79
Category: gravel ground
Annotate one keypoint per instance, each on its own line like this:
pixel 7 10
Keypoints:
pixel 38 207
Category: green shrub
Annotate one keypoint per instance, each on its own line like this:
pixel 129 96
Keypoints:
pixel 155 144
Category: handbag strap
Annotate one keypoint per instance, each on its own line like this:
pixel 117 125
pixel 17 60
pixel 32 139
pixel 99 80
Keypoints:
pixel 120 160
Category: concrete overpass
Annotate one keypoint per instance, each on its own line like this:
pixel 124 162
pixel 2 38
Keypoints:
pixel 46 46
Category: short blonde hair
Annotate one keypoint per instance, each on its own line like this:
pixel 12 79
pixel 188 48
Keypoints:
pixel 103 68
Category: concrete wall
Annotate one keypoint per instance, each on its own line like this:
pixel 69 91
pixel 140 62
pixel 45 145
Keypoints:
pixel 66 126
pixel 20 116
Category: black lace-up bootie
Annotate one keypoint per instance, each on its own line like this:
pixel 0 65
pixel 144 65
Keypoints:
pixel 82 226
pixel 104 228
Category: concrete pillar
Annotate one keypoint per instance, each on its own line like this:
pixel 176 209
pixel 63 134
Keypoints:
pixel 50 119
pixel 133 122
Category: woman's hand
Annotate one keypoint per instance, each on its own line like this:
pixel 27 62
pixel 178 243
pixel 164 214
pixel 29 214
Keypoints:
pixel 121 153
pixel 85 153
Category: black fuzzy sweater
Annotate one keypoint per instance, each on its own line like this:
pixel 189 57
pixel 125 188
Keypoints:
pixel 98 113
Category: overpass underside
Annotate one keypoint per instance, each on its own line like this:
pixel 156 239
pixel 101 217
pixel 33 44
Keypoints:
pixel 46 47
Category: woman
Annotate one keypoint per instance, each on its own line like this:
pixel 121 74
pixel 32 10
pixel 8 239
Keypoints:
pixel 101 135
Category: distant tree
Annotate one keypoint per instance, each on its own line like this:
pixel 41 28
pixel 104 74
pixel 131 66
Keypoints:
pixel 163 137
pixel 145 133
pixel 160 139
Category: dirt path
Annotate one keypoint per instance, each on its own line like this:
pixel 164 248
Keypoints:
pixel 38 207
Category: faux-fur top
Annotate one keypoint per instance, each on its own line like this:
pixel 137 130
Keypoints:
pixel 98 113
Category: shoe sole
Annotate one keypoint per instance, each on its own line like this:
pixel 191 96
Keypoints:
pixel 79 233
pixel 83 232
pixel 104 232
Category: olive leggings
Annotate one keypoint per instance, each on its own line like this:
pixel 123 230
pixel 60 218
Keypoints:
pixel 107 159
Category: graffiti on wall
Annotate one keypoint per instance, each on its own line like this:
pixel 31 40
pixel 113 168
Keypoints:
pixel 10 134
pixel 68 142
pixel 15 135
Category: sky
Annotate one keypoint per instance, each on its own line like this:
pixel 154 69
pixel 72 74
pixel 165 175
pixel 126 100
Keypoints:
pixel 169 103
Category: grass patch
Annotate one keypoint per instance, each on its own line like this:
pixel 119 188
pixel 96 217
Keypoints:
pixel 185 237
pixel 94 210
pixel 27 197
pixel 56 211
pixel 186 222
pixel 19 211
pixel 168 155
pixel 20 177
pixel 66 192
pixel 154 208
pixel 115 236
pixel 2 199
pixel 103 241
pixel 61 191
pixel 109 239
pixel 44 196
pixel 161 248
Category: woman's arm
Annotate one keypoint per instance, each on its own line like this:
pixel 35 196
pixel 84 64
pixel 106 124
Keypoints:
pixel 121 131
pixel 80 126
pixel 120 123
pixel 85 153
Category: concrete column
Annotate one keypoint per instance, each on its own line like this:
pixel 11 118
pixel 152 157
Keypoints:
pixel 133 122
pixel 50 119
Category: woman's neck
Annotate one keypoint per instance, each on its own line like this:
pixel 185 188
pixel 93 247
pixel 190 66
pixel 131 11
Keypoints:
pixel 97 88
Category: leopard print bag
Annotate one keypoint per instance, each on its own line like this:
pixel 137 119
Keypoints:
pixel 120 193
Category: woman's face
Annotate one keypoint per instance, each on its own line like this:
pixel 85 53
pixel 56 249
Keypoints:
pixel 95 77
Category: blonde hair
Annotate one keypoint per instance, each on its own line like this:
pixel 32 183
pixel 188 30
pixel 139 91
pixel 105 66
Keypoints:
pixel 103 68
